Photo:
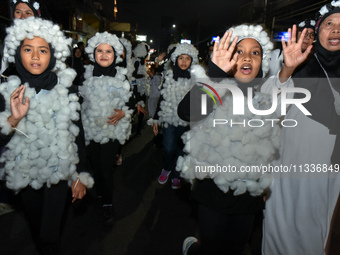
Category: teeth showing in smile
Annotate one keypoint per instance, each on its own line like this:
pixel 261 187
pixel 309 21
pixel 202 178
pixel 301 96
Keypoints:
pixel 246 67
pixel 334 40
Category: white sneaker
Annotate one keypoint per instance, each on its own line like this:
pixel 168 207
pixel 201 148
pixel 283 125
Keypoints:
pixel 190 240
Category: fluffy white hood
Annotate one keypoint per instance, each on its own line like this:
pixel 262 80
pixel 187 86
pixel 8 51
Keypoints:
pixel 37 27
pixel 104 38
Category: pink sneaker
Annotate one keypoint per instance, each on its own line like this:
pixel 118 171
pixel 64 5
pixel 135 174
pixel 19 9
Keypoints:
pixel 163 178
pixel 176 183
pixel 119 159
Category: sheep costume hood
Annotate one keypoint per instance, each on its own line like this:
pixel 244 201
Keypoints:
pixel 173 90
pixel 42 149
pixel 221 152
pixel 103 94
pixel 255 32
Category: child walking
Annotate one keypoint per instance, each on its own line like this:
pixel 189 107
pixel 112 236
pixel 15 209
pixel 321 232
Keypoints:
pixel 178 81
pixel 106 118
pixel 230 199
pixel 155 81
pixel 39 123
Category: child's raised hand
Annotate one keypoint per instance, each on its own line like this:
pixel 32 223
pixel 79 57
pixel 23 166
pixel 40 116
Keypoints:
pixel 292 51
pixel 115 118
pixel 18 108
pixel 223 52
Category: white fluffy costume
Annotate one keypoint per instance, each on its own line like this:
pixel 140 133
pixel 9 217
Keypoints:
pixel 128 57
pixel 173 91
pixel 140 52
pixel 219 152
pixel 42 150
pixel 103 94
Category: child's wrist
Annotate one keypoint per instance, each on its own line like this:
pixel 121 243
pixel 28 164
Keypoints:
pixel 14 123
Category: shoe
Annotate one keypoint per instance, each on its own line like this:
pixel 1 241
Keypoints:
pixel 176 183
pixel 187 243
pixel 119 159
pixel 107 215
pixel 163 178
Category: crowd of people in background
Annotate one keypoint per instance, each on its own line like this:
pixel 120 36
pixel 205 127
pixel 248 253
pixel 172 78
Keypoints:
pixel 66 112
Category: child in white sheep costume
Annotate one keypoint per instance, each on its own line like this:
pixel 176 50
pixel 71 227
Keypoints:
pixel 127 60
pixel 38 126
pixel 141 88
pixel 105 114
pixel 230 198
pixel 177 82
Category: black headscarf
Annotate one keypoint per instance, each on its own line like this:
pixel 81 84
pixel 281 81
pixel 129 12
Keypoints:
pixel 30 4
pixel 77 64
pixel 47 80
pixel 312 77
pixel 179 73
pixel 107 71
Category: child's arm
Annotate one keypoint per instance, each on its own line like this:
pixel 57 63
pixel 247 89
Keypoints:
pixel 18 109
pixel 223 55
pixel 292 54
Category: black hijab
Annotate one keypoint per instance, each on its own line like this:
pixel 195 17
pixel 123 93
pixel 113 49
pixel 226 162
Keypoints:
pixel 179 73
pixel 312 77
pixel 106 71
pixel 30 4
pixel 47 80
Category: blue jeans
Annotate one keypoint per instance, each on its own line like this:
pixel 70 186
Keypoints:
pixel 173 147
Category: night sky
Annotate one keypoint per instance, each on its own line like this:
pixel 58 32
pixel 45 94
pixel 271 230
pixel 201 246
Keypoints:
pixel 201 19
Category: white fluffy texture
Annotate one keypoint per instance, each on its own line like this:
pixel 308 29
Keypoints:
pixel 140 50
pixel 238 146
pixel 141 103
pixel 303 23
pixel 170 47
pixel 36 5
pixel 49 154
pixel 143 87
pixel 335 3
pixel 104 38
pixel 326 8
pixel 37 27
pixel 185 49
pixel 173 92
pixel 101 96
pixel 261 36
pixel 129 64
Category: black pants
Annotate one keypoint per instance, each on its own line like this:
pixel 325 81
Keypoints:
pixel 44 210
pixel 102 159
pixel 222 233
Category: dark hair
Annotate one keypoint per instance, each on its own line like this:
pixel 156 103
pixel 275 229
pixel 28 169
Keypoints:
pixel 30 4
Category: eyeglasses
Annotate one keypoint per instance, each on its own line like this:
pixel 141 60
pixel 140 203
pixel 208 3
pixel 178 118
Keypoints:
pixel 310 35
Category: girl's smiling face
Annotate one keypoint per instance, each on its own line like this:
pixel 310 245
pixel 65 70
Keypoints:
pixel 104 55
pixel 249 60
pixel 35 55
pixel 184 61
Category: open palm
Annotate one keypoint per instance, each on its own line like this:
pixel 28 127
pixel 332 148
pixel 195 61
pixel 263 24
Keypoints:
pixel 223 52
pixel 292 51
pixel 18 108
